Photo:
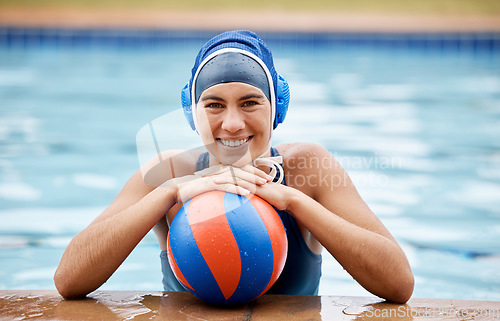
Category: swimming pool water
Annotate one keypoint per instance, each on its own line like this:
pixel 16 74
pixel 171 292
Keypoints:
pixel 416 128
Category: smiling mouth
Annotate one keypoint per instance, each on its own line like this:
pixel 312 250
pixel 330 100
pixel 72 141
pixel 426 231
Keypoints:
pixel 233 143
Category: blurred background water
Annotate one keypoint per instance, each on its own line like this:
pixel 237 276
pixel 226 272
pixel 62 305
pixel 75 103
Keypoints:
pixel 416 126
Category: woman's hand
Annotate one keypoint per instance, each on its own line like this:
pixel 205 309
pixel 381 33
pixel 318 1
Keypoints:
pixel 238 180
pixel 278 195
pixel 256 182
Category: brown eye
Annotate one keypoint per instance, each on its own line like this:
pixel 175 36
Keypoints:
pixel 214 105
pixel 249 103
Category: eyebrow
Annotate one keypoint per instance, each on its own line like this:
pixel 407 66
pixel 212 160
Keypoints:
pixel 250 96
pixel 217 98
pixel 212 97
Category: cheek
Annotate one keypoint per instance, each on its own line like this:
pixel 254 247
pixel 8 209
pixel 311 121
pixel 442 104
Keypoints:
pixel 203 118
pixel 203 125
pixel 263 123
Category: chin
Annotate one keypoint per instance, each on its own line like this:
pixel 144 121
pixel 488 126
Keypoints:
pixel 237 159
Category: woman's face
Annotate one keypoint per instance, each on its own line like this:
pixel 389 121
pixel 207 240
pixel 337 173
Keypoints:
pixel 234 121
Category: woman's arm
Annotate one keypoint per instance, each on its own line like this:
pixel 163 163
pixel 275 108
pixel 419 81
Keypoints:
pixel 330 208
pixel 372 258
pixel 95 253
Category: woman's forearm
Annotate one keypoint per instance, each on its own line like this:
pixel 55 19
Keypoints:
pixel 374 260
pixel 96 252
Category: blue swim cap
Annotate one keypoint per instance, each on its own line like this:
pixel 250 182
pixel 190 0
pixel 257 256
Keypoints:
pixel 231 67
pixel 248 43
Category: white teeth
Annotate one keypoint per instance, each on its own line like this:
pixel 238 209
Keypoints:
pixel 233 143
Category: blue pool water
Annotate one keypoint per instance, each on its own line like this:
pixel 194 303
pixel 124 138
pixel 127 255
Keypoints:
pixel 416 124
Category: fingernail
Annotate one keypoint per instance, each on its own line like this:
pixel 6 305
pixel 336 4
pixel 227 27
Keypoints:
pixel 261 180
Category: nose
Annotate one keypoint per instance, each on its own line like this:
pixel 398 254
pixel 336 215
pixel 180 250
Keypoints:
pixel 233 120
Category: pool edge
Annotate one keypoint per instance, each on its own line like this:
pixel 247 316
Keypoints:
pixel 117 305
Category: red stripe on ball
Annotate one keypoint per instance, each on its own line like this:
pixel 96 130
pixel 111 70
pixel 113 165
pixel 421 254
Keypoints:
pixel 216 244
pixel 177 272
pixel 277 235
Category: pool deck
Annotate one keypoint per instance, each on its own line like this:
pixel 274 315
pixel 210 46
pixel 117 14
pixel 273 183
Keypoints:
pixel 257 21
pixel 121 305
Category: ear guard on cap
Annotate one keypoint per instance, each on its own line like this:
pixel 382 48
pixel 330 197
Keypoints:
pixel 186 105
pixel 282 101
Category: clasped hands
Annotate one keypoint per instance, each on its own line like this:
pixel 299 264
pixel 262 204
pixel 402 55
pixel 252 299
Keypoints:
pixel 238 180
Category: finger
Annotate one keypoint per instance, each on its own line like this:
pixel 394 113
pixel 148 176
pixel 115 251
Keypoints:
pixel 258 172
pixel 233 176
pixel 231 188
pixel 247 172
pixel 229 184
pixel 213 170
pixel 235 181
pixel 251 186
pixel 249 176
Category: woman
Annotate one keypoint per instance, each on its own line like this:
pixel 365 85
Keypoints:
pixel 234 100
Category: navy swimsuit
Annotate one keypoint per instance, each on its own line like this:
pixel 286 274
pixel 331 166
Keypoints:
pixel 302 269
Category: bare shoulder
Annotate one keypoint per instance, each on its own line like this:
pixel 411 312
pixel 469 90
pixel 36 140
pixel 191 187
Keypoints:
pixel 161 168
pixel 169 164
pixel 306 165
pixel 306 157
pixel 295 150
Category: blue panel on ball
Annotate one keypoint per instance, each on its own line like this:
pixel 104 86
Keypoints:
pixel 190 261
pixel 255 247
